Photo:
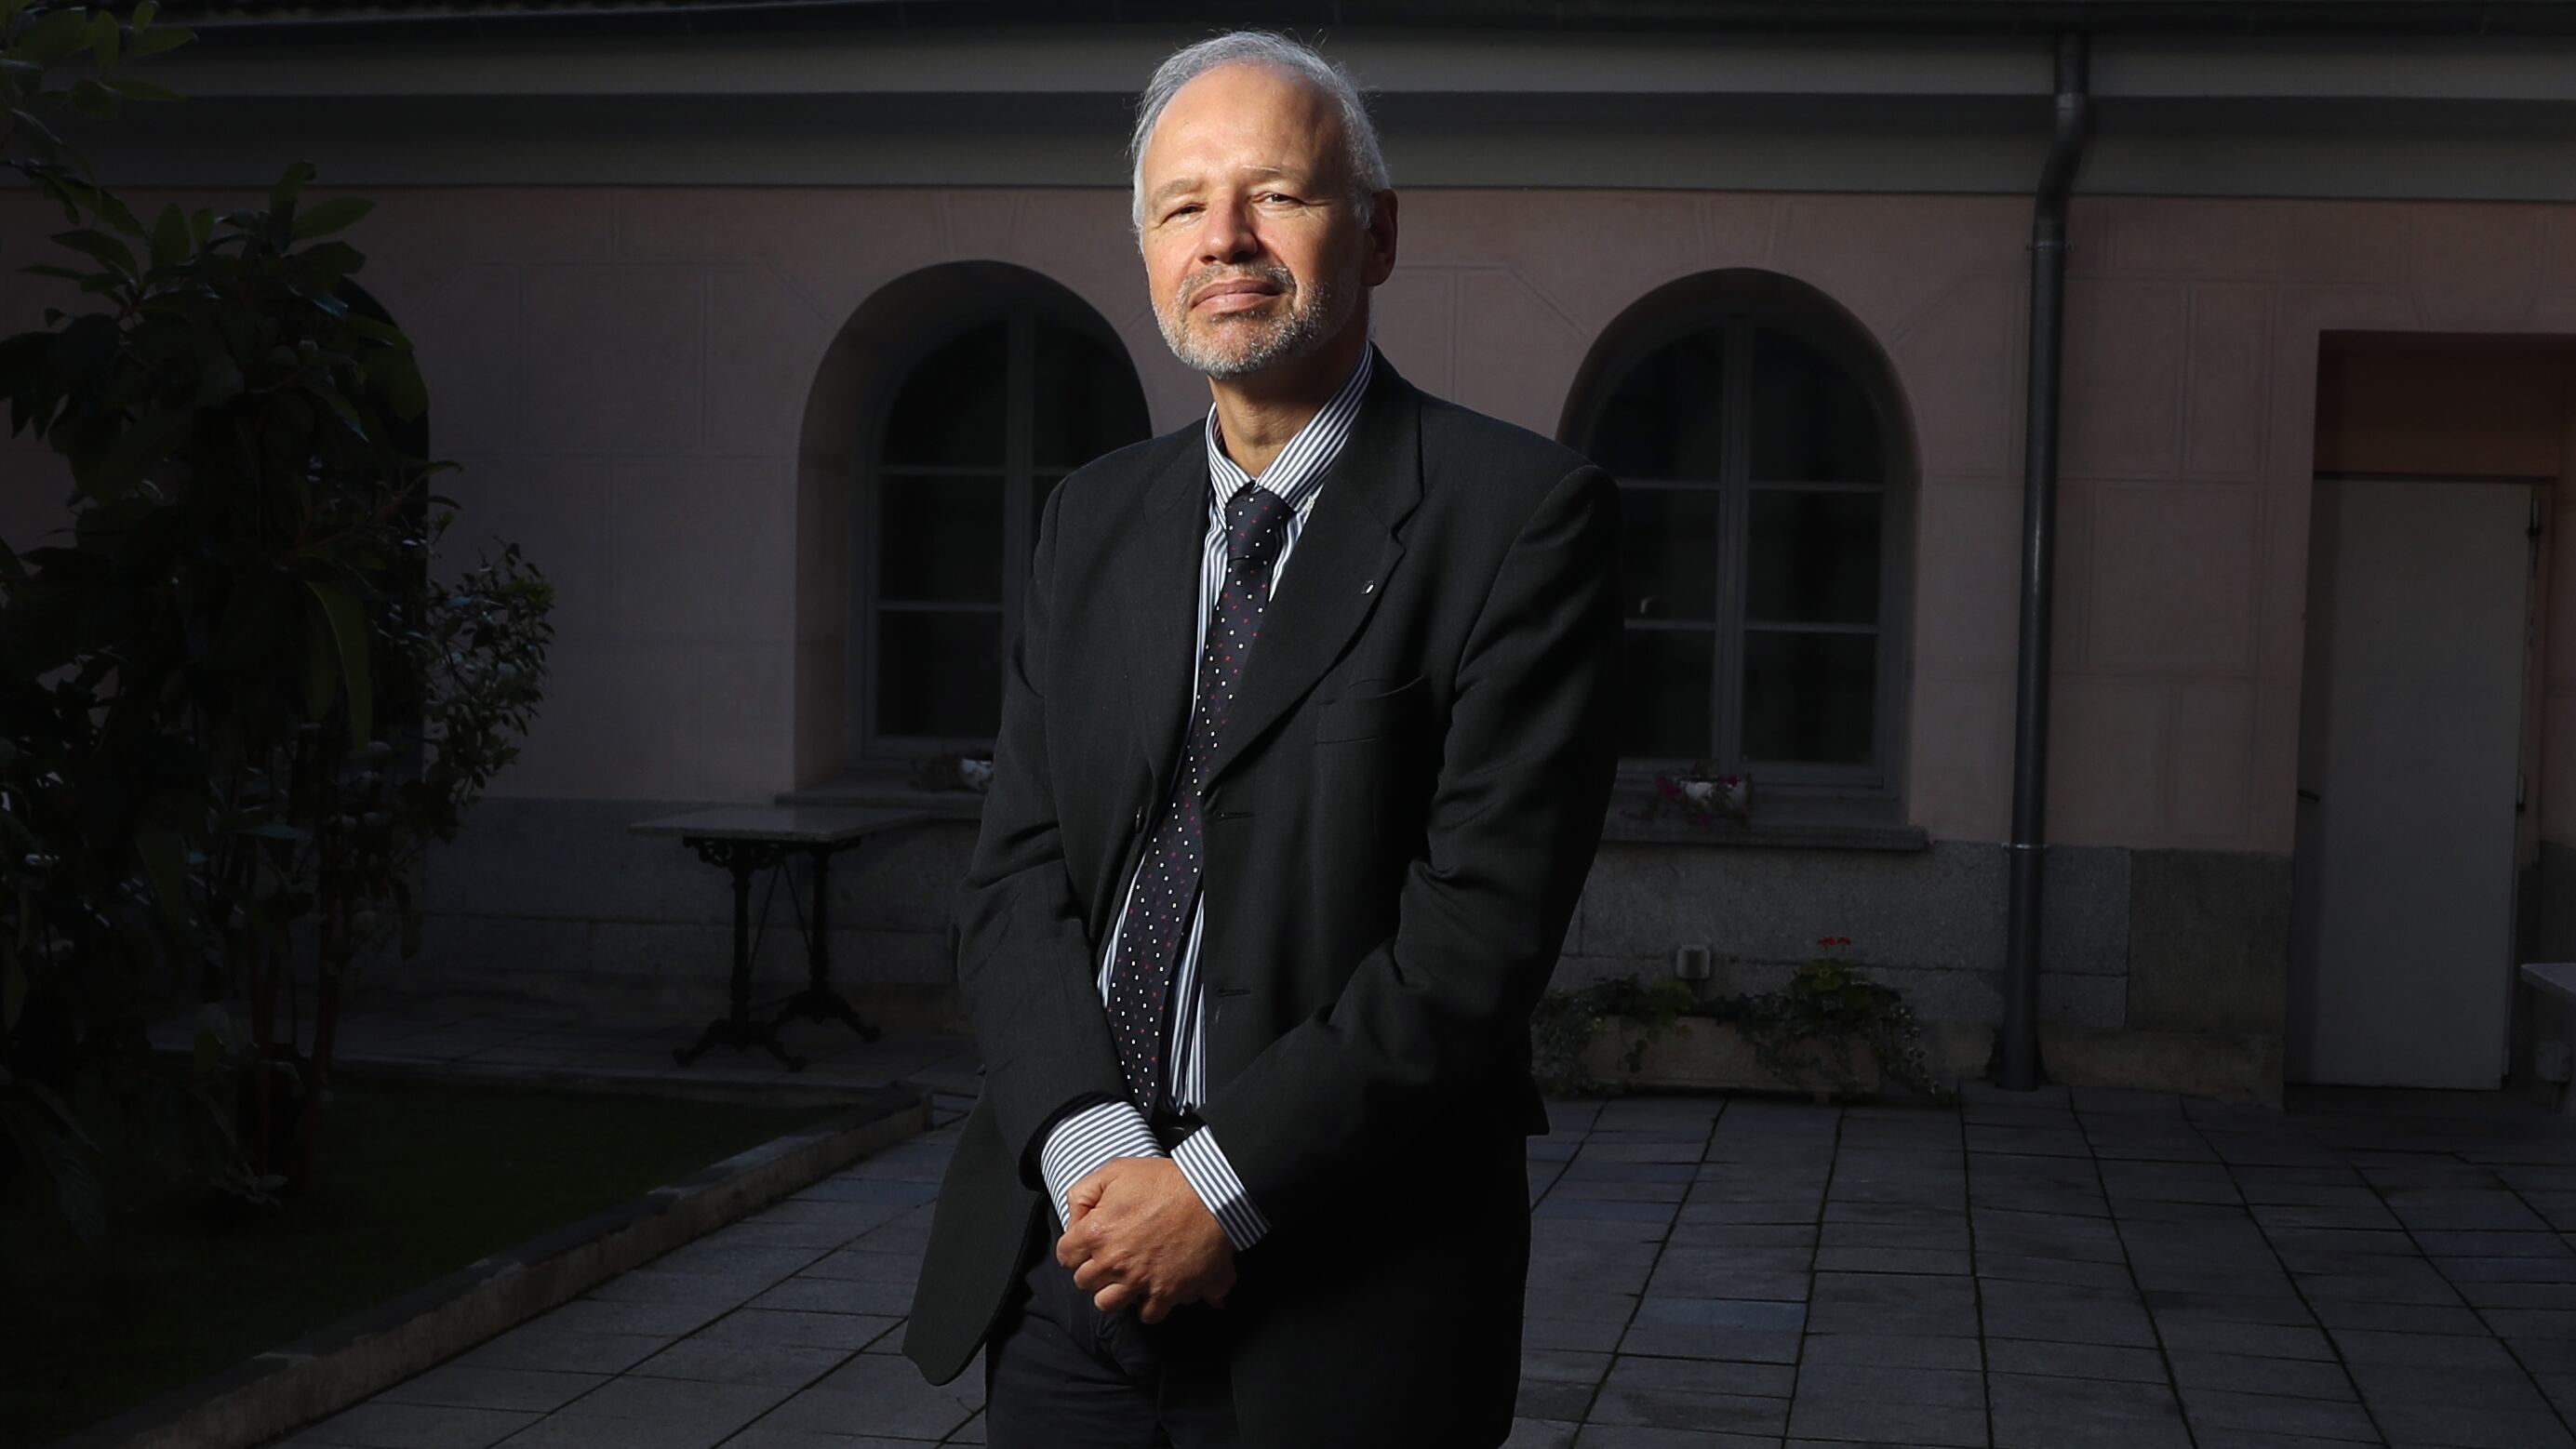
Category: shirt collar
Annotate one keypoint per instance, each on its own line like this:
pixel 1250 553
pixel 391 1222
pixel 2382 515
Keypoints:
pixel 1299 469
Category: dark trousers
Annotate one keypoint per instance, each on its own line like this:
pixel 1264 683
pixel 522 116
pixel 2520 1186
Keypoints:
pixel 1061 1374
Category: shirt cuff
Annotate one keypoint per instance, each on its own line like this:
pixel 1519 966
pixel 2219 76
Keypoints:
pixel 1081 1143
pixel 1212 1177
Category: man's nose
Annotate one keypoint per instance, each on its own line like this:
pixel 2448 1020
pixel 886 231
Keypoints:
pixel 1226 234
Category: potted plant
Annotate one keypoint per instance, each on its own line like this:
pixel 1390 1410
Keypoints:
pixel 1702 795
pixel 1829 1032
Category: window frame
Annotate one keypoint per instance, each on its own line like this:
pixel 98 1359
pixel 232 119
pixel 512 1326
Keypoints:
pixel 1019 471
pixel 1735 304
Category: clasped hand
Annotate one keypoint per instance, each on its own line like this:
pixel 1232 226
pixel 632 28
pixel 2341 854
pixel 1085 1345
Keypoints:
pixel 1139 1234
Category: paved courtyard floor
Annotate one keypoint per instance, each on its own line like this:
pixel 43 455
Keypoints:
pixel 2060 1270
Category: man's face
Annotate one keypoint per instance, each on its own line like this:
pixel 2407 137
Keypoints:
pixel 1253 246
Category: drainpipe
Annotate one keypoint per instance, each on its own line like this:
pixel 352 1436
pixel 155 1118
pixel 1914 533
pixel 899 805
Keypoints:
pixel 2017 1067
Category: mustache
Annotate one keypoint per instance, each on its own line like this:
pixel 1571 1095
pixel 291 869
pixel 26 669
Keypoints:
pixel 1199 281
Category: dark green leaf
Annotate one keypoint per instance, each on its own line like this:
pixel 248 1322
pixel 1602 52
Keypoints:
pixel 141 449
pixel 135 90
pixel 397 377
pixel 323 300
pixel 89 240
pixel 349 631
pixel 118 215
pixel 375 331
pixel 341 409
pixel 104 33
pixel 158 39
pixel 41 131
pixel 77 355
pixel 169 237
pixel 57 35
pixel 329 261
pixel 332 215
pixel 281 197
pixel 219 383
pixel 88 98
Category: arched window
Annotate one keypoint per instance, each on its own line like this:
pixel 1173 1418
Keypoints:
pixel 1753 433
pixel 991 410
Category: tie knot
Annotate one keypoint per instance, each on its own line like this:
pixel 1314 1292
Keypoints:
pixel 1253 522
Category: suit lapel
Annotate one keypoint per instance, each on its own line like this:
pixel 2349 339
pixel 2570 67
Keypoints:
pixel 1156 574
pixel 1339 568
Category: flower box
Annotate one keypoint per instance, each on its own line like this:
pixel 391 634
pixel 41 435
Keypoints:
pixel 1699 1054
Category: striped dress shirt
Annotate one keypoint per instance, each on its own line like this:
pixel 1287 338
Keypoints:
pixel 1091 1136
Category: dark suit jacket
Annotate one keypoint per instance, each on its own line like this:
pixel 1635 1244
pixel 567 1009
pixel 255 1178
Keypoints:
pixel 1405 801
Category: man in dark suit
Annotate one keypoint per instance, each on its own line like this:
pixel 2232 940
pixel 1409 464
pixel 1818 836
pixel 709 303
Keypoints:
pixel 1306 741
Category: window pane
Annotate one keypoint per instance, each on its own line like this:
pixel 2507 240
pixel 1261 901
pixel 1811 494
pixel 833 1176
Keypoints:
pixel 939 673
pixel 1087 399
pixel 1668 552
pixel 951 410
pixel 1809 697
pixel 1663 685
pixel 1811 423
pixel 1814 557
pixel 939 539
pixel 1662 422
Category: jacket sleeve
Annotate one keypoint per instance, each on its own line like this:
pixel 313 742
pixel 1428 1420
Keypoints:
pixel 1515 817
pixel 1023 958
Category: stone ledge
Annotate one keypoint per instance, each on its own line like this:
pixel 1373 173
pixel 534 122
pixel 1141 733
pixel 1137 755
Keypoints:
pixel 1820 825
pixel 887 788
pixel 1793 834
pixel 2554 978
pixel 324 1372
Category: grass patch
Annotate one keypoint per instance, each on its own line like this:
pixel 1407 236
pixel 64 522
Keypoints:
pixel 413 1182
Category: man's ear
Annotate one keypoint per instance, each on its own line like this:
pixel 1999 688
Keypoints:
pixel 1380 241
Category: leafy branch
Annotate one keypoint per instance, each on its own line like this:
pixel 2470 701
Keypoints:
pixel 234 706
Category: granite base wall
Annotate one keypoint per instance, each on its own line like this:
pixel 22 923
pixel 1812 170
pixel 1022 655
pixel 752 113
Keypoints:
pixel 2160 967
pixel 554 900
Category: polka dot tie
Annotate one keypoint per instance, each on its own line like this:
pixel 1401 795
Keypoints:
pixel 1167 885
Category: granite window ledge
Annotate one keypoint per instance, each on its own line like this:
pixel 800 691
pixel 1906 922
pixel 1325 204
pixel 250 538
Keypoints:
pixel 1784 829
pixel 888 786
pixel 1777 823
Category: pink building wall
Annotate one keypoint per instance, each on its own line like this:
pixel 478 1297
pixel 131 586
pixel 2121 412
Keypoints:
pixel 624 373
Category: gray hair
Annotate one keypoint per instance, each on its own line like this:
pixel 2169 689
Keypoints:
pixel 1262 47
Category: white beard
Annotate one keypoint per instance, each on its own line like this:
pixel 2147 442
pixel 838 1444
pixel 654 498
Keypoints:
pixel 1246 344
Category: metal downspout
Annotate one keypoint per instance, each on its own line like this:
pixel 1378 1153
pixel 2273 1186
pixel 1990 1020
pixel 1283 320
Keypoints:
pixel 2017 1067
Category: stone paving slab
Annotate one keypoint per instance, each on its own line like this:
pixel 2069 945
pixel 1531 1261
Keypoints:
pixel 2057 1270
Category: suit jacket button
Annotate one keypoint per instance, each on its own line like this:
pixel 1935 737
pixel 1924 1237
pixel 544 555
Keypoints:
pixel 1140 817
